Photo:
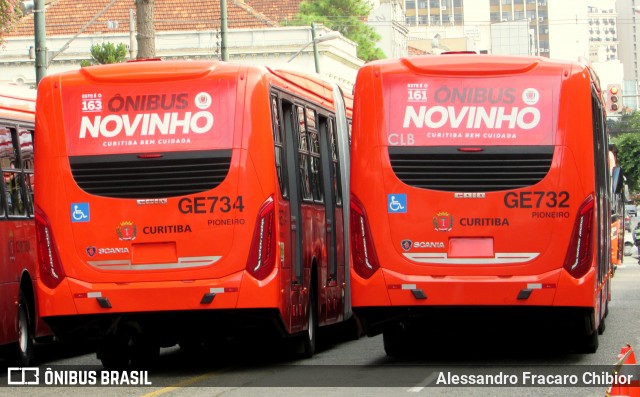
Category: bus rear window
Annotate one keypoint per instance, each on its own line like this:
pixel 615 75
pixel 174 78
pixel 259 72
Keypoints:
pixel 151 176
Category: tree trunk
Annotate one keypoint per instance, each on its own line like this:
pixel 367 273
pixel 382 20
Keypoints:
pixel 146 36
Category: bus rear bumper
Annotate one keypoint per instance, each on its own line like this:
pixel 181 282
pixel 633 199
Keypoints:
pixel 77 297
pixel 389 298
pixel 387 290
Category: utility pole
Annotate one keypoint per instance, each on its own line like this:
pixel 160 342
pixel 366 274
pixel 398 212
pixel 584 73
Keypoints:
pixel 223 30
pixel 316 56
pixel 40 40
pixel 132 35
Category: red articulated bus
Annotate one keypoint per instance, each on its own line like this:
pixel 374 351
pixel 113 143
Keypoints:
pixel 20 324
pixel 480 184
pixel 190 201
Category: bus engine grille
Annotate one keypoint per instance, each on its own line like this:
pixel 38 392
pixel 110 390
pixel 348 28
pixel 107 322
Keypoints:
pixel 477 169
pixel 151 175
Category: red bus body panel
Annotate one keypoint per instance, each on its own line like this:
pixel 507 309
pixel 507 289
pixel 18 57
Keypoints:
pixel 166 254
pixel 473 247
pixel 17 233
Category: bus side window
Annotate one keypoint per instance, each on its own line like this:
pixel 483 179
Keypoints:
pixel 278 142
pixel 6 156
pixel 303 155
pixel 13 194
pixel 4 203
pixel 25 139
pixel 317 191
pixel 14 197
pixel 335 163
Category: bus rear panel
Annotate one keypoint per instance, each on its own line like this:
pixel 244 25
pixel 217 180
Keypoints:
pixel 478 182
pixel 159 211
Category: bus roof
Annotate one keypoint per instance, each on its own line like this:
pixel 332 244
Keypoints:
pixel 154 69
pixel 17 102
pixel 475 64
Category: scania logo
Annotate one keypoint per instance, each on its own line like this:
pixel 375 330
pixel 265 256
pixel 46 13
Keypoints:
pixel 406 244
pixel 469 195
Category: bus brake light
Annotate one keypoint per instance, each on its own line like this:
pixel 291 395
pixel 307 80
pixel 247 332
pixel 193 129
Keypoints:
pixel 365 260
pixel 49 265
pixel 262 254
pixel 579 254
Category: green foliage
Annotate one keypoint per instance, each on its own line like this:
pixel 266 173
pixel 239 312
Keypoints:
pixel 629 122
pixel 9 14
pixel 346 17
pixel 106 53
pixel 628 143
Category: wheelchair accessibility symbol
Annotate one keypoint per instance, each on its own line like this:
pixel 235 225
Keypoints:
pixel 80 212
pixel 397 203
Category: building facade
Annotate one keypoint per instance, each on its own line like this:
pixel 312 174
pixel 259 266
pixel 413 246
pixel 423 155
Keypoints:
pixel 554 28
pixel 603 34
pixel 183 31
pixel 388 20
pixel 629 49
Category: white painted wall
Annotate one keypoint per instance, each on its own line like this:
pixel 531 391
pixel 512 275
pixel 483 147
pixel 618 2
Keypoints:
pixel 338 60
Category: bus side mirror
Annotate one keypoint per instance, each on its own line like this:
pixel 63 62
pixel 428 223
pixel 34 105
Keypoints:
pixel 617 180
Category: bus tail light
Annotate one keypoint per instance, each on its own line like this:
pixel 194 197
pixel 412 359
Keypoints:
pixel 49 264
pixel 262 254
pixel 579 254
pixel 365 260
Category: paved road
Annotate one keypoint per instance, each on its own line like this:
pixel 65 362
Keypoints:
pixel 360 367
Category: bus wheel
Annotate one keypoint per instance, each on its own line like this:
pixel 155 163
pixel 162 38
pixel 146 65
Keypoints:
pixel 588 344
pixel 145 351
pixel 311 336
pixel 351 328
pixel 395 341
pixel 113 352
pixel 24 347
pixel 592 342
pixel 602 327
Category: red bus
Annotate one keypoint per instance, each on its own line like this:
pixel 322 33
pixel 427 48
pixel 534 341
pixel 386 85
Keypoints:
pixel 191 201
pixel 19 323
pixel 480 185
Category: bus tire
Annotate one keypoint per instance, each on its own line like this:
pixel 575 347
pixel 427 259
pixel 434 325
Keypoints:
pixel 113 352
pixel 24 347
pixel 395 342
pixel 602 326
pixel 144 352
pixel 310 337
pixel 352 328
pixel 588 343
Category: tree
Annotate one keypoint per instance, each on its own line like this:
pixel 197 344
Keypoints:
pixel 628 122
pixel 629 157
pixel 9 14
pixel 106 53
pixel 146 37
pixel 346 17
pixel 625 133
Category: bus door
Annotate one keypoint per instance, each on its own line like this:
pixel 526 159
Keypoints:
pixel 289 118
pixel 333 213
pixel 603 207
